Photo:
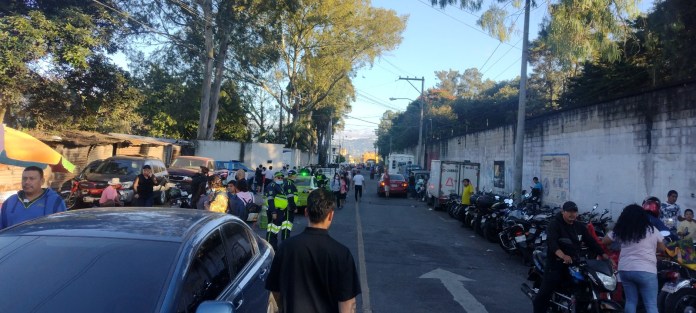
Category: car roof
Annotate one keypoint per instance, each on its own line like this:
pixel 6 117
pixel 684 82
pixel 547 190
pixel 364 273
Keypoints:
pixel 169 224
pixel 133 157
pixel 194 157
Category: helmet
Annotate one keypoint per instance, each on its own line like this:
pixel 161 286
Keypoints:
pixel 652 206
pixel 278 174
pixel 292 173
pixel 319 171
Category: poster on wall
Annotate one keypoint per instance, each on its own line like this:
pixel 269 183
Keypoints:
pixel 555 177
pixel 499 174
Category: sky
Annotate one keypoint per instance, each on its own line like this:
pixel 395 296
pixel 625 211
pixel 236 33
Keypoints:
pixel 434 40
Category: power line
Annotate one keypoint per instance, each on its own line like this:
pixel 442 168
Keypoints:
pixel 462 22
pixel 501 57
pixel 359 119
pixel 503 72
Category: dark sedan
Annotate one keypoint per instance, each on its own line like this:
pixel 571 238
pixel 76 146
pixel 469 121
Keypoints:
pixel 397 185
pixel 133 260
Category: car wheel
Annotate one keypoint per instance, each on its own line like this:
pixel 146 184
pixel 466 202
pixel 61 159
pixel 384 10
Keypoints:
pixel 162 199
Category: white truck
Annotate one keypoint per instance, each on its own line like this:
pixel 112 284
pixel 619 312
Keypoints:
pixel 396 162
pixel 446 178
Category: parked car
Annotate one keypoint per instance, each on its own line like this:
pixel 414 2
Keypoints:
pixel 305 185
pixel 225 167
pixel 126 169
pixel 133 260
pixel 398 185
pixel 183 168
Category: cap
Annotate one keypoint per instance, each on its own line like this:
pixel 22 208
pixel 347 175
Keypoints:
pixel 570 206
pixel 292 173
pixel 115 181
pixel 204 169
pixel 278 174
pixel 147 167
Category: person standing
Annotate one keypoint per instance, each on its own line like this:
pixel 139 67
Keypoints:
pixel 312 272
pixel 562 226
pixel 290 191
pixel 358 181
pixel 537 189
pixel 412 184
pixel 336 189
pixel 637 262
pixel 110 196
pixel 144 187
pixel 386 181
pixel 467 191
pixel 671 210
pixel 269 174
pixel 200 178
pixel 278 202
pixel 32 201
pixel 217 196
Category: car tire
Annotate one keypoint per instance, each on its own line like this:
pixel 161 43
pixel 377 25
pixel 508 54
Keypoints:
pixel 161 197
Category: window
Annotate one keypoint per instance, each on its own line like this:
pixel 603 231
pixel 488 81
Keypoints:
pixel 208 275
pixel 118 167
pixel 238 246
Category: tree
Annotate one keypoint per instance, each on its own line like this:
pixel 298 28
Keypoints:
pixel 217 39
pixel 62 35
pixel 323 43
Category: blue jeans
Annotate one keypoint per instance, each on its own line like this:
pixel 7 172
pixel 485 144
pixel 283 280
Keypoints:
pixel 643 283
pixel 145 201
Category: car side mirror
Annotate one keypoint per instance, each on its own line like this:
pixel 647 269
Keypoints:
pixel 215 307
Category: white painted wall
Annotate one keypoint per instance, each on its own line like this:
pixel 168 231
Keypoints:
pixel 219 150
pixel 267 154
pixel 620 152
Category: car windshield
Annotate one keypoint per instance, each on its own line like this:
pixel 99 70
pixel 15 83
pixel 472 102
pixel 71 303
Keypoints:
pixel 118 167
pixel 303 181
pixel 396 177
pixel 83 274
pixel 187 163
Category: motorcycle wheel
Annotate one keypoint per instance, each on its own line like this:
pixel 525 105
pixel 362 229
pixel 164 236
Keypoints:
pixel 478 227
pixel 505 238
pixel 467 220
pixel 490 231
pixel 682 301
pixel 71 201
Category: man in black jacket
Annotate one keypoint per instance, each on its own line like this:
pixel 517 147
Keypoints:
pixel 563 226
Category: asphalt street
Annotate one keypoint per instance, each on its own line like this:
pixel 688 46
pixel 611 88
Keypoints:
pixel 413 259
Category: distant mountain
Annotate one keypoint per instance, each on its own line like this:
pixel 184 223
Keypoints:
pixel 356 142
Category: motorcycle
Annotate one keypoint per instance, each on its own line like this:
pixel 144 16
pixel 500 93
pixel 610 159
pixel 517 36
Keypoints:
pixel 592 281
pixel 179 198
pixel 71 196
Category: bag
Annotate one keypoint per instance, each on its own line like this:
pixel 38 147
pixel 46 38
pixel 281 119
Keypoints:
pixel 252 211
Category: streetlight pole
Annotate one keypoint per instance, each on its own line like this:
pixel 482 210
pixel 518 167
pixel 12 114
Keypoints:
pixel 420 150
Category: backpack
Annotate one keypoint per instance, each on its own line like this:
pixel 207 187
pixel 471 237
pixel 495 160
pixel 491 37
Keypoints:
pixel 251 211
pixel 235 206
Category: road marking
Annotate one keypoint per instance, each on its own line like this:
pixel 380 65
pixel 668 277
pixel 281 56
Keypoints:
pixel 367 308
pixel 454 284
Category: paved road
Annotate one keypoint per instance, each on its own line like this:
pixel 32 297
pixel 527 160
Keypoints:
pixel 396 241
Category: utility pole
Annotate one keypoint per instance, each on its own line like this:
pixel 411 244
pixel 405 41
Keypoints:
pixel 519 136
pixel 419 150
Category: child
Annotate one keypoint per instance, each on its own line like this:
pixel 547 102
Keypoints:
pixel 687 227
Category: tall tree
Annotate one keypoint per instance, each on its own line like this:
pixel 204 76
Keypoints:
pixel 60 35
pixel 221 39
pixel 323 43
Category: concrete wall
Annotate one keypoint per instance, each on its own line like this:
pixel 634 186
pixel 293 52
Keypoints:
pixel 220 150
pixel 618 152
pixel 267 154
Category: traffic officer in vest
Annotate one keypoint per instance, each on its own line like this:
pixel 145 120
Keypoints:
pixel 290 192
pixel 321 179
pixel 277 200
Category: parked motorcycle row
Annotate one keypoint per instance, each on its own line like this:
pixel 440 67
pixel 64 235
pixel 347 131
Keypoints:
pixel 520 229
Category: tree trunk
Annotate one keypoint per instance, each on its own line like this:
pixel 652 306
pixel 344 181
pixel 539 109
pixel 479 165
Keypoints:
pixel 208 73
pixel 219 70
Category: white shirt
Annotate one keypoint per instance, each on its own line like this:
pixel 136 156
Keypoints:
pixel 358 179
pixel 269 174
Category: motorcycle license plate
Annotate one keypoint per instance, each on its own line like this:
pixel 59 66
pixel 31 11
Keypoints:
pixel 532 230
pixel 669 288
pixel 184 193
pixel 520 238
pixel 483 220
pixel 543 237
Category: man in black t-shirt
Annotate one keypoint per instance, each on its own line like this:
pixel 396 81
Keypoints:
pixel 313 272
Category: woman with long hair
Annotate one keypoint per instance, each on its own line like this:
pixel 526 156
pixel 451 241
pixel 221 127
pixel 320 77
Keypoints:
pixel 336 188
pixel 217 197
pixel 639 241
